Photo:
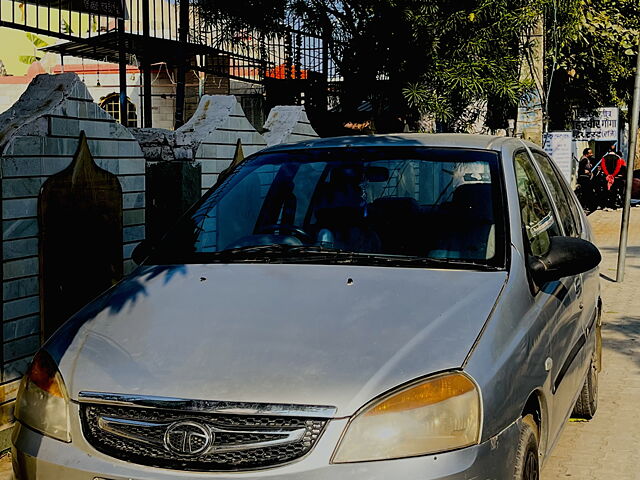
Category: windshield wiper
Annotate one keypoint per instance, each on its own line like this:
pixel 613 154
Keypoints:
pixel 270 252
pixel 250 252
pixel 398 260
pixel 282 253
pixel 345 256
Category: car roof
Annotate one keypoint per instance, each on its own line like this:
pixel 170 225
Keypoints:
pixel 451 140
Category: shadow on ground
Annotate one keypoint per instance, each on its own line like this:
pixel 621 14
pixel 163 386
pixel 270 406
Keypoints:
pixel 607 278
pixel 623 336
pixel 631 251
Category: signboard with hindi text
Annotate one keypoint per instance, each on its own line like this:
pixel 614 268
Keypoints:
pixel 559 145
pixel 601 125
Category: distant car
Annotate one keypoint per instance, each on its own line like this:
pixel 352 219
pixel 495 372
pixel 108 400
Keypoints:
pixel 379 307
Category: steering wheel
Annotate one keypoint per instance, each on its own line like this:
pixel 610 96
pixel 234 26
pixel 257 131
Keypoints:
pixel 290 229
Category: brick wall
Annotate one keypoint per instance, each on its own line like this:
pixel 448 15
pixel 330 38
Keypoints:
pixel 101 84
pixel 288 124
pixel 38 142
pixel 217 148
pixel 213 85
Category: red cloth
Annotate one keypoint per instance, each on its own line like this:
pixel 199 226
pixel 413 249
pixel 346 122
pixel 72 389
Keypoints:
pixel 611 176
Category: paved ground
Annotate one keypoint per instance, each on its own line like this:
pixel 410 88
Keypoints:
pixel 608 447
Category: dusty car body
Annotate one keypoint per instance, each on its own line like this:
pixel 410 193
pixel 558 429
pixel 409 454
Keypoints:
pixel 309 361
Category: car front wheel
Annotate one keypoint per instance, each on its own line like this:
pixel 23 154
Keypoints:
pixel 527 466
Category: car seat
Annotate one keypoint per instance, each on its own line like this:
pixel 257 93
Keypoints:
pixel 468 230
pixel 341 213
pixel 398 223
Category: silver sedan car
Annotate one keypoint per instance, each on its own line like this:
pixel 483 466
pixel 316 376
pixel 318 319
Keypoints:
pixel 382 307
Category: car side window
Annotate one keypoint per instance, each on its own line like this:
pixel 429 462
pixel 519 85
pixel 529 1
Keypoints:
pixel 558 193
pixel 538 220
pixel 576 208
pixel 574 205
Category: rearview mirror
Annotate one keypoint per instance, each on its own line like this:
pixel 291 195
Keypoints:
pixel 566 256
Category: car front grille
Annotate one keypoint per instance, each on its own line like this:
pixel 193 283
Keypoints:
pixel 198 441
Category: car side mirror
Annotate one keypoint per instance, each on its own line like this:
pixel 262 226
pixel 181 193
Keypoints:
pixel 141 252
pixel 566 256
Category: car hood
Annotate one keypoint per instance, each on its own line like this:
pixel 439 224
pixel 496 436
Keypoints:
pixel 293 334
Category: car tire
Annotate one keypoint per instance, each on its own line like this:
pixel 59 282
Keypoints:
pixel 527 465
pixel 599 341
pixel 587 402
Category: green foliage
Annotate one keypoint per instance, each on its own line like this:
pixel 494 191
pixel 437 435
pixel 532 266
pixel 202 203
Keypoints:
pixel 37 43
pixel 232 16
pixel 428 101
pixel 448 60
pixel 28 59
pixel 66 27
pixel 591 56
pixel 439 58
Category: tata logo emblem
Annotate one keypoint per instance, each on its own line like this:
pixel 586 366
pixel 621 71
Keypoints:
pixel 188 438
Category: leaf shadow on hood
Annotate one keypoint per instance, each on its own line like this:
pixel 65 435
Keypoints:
pixel 127 292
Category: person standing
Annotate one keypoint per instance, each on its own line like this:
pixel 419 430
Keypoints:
pixel 585 191
pixel 586 163
pixel 614 168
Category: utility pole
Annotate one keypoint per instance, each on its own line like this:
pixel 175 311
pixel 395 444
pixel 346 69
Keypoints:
pixel 633 147
pixel 530 122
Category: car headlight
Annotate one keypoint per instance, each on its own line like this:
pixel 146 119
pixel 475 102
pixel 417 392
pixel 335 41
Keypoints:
pixel 42 402
pixel 438 414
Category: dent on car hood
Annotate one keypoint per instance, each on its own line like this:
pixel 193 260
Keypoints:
pixel 290 334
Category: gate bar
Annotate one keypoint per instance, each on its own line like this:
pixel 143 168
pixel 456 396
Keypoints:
pixel 183 32
pixel 122 74
pixel 146 67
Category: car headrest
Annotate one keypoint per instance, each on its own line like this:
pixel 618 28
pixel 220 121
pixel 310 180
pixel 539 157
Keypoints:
pixel 339 217
pixel 391 209
pixel 474 201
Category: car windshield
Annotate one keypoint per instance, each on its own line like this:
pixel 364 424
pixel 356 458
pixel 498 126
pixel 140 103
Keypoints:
pixel 371 205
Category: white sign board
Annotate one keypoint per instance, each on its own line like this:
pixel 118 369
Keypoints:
pixel 559 146
pixel 601 126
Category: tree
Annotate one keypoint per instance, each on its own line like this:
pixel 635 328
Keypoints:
pixel 229 16
pixel 591 56
pixel 456 62
pixel 478 52
pixel 37 44
pixel 444 59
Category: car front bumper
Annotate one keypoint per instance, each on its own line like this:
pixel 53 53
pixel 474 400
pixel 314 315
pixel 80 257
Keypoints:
pixel 39 457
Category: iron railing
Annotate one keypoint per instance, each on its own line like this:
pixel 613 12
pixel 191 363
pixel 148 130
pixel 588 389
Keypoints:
pixel 91 25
